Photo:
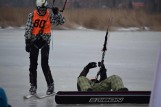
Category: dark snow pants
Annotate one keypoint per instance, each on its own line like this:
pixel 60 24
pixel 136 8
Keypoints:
pixel 44 64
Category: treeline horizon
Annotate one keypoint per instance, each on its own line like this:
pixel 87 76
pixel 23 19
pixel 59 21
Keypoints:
pixel 150 5
pixel 91 18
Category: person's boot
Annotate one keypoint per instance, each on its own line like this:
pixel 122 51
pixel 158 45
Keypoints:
pixel 50 89
pixel 32 90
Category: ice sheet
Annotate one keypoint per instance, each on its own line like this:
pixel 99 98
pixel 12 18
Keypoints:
pixel 131 55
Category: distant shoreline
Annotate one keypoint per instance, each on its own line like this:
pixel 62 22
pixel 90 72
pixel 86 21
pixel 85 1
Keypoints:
pixel 88 18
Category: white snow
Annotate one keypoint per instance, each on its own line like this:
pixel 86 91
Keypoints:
pixel 133 29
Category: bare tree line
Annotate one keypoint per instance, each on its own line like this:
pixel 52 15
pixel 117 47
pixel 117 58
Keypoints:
pixel 152 5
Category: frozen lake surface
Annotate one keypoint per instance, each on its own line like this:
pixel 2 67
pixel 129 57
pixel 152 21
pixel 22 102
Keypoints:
pixel 131 55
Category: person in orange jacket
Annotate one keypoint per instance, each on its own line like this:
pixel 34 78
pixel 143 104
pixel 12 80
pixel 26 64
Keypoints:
pixel 37 37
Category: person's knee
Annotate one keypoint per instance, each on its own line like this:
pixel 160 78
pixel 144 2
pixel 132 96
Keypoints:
pixel 44 66
pixel 33 65
pixel 82 84
pixel 33 68
pixel 116 77
pixel 79 79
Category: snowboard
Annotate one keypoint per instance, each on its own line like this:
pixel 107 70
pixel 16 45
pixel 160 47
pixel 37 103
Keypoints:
pixel 110 97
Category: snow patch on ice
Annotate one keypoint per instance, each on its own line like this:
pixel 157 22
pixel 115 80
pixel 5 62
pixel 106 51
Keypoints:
pixel 22 27
pixel 79 27
pixel 133 29
pixel 9 27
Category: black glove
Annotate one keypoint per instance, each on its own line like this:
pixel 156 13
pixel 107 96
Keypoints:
pixel 102 71
pixel 91 65
pixel 28 45
pixel 55 10
pixel 100 64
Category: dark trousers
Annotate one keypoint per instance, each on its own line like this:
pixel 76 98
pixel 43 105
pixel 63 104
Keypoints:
pixel 44 64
